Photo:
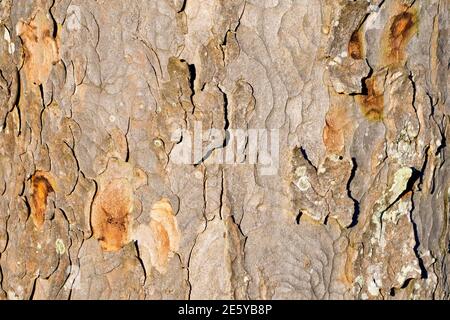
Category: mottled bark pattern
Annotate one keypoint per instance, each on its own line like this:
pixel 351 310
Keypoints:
pixel 93 204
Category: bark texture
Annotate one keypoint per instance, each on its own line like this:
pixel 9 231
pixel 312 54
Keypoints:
pixel 96 98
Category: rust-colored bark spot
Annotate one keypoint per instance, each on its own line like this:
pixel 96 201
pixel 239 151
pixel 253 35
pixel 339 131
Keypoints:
pixel 165 232
pixel 372 103
pixel 39 46
pixel 355 46
pixel 110 214
pixel 402 27
pixel 162 213
pixel 41 186
pixel 333 135
pixel 162 246
pixel 160 239
pixel 338 125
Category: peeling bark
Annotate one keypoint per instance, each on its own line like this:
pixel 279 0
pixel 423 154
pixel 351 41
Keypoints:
pixel 224 149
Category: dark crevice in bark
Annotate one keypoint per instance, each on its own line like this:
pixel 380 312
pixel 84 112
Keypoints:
pixel 7 235
pixel 443 142
pixel 27 204
pixel 409 188
pixel 226 127
pixel 221 195
pixel 413 84
pixel 392 292
pixel 406 283
pixel 192 77
pixel 1 278
pixel 64 214
pixel 41 114
pixel 72 151
pixel 52 18
pixel 422 170
pixel 141 262
pixel 305 156
pixel 188 278
pixel 432 104
pixel 349 193
pixel 91 206
pixel 298 217
pixel 33 288
pixel 19 115
pixel 325 221
pixel 183 7
pixel 188 263
pixel 364 89
pixel 127 156
pixel 423 270
pixel 226 120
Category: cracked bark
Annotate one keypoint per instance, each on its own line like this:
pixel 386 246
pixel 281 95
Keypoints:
pixel 98 99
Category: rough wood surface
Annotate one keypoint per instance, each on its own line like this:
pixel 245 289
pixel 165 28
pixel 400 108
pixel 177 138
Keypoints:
pixel 99 100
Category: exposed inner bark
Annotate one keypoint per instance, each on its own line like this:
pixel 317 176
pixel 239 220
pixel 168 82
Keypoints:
pixel 224 149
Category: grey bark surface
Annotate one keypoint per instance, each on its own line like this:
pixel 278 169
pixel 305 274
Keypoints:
pixel 97 98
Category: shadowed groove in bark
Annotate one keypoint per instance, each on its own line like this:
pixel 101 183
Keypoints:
pixel 91 94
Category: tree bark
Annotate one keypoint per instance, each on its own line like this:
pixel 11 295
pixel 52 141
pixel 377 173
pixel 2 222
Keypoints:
pixel 220 149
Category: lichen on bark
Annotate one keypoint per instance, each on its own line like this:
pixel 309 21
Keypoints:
pixel 108 191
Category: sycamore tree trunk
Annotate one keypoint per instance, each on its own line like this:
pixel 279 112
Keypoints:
pixel 224 149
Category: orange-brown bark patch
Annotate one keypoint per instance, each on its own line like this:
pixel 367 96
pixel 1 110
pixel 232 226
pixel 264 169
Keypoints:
pixel 111 211
pixel 398 34
pixel 355 46
pixel 372 103
pixel 40 188
pixel 39 46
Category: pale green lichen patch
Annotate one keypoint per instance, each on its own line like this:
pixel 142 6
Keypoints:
pixel 300 171
pixel 394 215
pixel 303 184
pixel 380 215
pixel 408 271
pixel 401 179
pixel 403 147
pixel 60 247
pixel 158 143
